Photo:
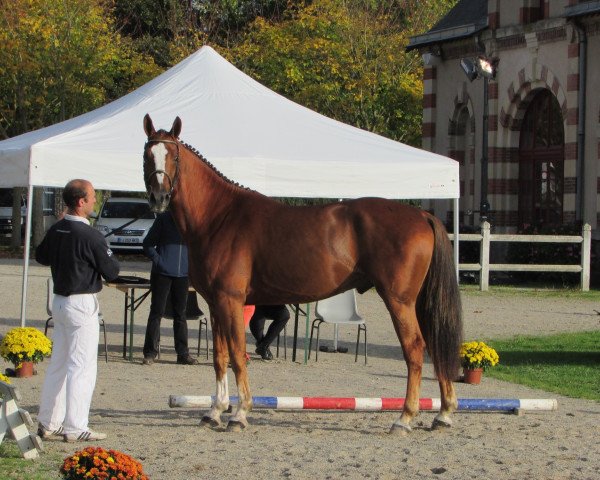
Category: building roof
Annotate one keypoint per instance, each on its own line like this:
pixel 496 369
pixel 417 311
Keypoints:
pixel 466 18
pixel 585 8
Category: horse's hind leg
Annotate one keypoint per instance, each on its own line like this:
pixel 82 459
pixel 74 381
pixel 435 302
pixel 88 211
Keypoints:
pixel 449 405
pixel 220 359
pixel 407 329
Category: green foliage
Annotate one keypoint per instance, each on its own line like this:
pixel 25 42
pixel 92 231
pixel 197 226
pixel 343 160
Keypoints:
pixel 60 59
pixel 344 59
pixel 568 364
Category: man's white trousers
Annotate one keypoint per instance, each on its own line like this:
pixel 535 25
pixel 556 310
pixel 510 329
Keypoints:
pixel 71 375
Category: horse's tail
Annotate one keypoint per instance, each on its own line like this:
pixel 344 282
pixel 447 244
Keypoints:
pixel 439 310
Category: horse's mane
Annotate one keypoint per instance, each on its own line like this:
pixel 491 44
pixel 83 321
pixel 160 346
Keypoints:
pixel 206 162
pixel 211 166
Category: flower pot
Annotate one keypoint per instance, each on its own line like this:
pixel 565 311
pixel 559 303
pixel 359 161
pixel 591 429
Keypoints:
pixel 25 370
pixel 472 375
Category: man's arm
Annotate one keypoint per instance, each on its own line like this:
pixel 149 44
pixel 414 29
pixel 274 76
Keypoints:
pixel 105 261
pixel 42 254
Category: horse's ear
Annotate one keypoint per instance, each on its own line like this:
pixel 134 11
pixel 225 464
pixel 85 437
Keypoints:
pixel 176 128
pixel 148 126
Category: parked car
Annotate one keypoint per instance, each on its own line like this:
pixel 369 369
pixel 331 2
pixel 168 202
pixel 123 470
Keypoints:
pixel 117 212
pixel 6 205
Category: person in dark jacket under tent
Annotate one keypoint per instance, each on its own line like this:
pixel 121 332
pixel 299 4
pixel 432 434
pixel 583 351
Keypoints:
pixel 169 255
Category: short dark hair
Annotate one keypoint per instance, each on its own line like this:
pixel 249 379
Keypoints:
pixel 74 190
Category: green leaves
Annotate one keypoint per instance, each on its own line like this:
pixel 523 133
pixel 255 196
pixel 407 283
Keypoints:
pixel 344 59
pixel 62 59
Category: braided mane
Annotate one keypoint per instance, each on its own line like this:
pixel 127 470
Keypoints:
pixel 205 161
pixel 210 165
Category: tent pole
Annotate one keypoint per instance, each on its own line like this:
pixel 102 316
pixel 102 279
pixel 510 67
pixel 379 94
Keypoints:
pixel 26 253
pixel 456 233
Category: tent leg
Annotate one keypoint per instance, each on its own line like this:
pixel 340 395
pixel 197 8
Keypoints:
pixel 26 253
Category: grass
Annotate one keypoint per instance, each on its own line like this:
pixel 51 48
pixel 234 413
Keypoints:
pixel 568 363
pixel 532 290
pixel 14 467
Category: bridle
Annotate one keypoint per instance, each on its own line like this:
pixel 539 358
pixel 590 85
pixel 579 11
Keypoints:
pixel 172 181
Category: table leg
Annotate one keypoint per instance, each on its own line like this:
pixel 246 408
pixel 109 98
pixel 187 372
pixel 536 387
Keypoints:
pixel 306 334
pixel 125 325
pixel 131 314
pixel 295 332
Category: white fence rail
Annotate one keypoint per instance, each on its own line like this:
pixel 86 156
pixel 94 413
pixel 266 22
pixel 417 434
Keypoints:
pixel 485 267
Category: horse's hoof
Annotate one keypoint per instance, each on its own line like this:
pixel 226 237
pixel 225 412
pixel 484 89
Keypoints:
pixel 209 422
pixel 400 429
pixel 441 423
pixel 236 426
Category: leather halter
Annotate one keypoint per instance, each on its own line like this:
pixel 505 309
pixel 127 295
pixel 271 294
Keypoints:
pixel 172 181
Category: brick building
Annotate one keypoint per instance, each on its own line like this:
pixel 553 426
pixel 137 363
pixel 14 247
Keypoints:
pixel 543 110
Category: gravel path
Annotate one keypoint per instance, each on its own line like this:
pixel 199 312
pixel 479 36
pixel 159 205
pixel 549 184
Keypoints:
pixel 130 402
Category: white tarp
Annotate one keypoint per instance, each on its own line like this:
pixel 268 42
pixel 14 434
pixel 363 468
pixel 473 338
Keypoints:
pixel 253 135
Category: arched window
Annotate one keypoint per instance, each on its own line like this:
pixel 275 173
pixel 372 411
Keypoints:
pixel 541 160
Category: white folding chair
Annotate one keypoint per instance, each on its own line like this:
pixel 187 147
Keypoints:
pixel 50 323
pixel 338 310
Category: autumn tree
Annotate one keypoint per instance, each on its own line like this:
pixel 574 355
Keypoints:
pixel 61 58
pixel 346 59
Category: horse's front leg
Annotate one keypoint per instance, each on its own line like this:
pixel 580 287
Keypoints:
pixel 220 359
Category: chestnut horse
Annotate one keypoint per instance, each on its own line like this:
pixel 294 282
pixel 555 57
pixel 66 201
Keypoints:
pixel 247 248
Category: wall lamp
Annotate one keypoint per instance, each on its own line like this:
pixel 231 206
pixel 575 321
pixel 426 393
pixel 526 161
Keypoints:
pixel 481 66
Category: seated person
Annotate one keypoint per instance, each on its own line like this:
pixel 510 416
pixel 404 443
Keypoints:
pixel 280 315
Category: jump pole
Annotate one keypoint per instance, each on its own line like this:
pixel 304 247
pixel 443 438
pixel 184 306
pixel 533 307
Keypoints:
pixel 371 404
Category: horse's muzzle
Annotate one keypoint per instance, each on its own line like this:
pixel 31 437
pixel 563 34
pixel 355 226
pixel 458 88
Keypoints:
pixel 159 202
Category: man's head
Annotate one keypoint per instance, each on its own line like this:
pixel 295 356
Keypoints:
pixel 80 197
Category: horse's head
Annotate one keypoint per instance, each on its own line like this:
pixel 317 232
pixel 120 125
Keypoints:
pixel 161 163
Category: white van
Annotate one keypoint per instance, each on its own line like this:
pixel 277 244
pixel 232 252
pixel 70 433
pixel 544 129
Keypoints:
pixel 119 211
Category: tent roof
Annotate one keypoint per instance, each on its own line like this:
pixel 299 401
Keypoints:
pixel 253 135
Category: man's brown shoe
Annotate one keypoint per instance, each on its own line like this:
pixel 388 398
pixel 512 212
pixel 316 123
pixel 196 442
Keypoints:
pixel 187 360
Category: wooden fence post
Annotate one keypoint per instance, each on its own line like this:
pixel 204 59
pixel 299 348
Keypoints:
pixel 586 248
pixel 484 259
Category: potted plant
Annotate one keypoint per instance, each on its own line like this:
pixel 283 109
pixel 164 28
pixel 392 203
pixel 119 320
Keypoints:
pixel 96 462
pixel 475 357
pixel 24 346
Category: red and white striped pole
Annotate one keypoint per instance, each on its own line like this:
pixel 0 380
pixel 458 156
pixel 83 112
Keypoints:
pixel 370 404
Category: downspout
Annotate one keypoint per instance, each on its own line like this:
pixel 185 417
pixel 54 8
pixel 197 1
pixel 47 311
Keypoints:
pixel 580 162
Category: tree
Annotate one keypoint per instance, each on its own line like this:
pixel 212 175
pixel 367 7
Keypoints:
pixel 61 58
pixel 345 59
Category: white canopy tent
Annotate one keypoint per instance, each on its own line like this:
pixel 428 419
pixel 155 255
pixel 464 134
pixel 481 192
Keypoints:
pixel 253 135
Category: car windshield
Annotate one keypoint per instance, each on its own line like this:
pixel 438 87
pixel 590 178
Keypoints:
pixel 127 210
